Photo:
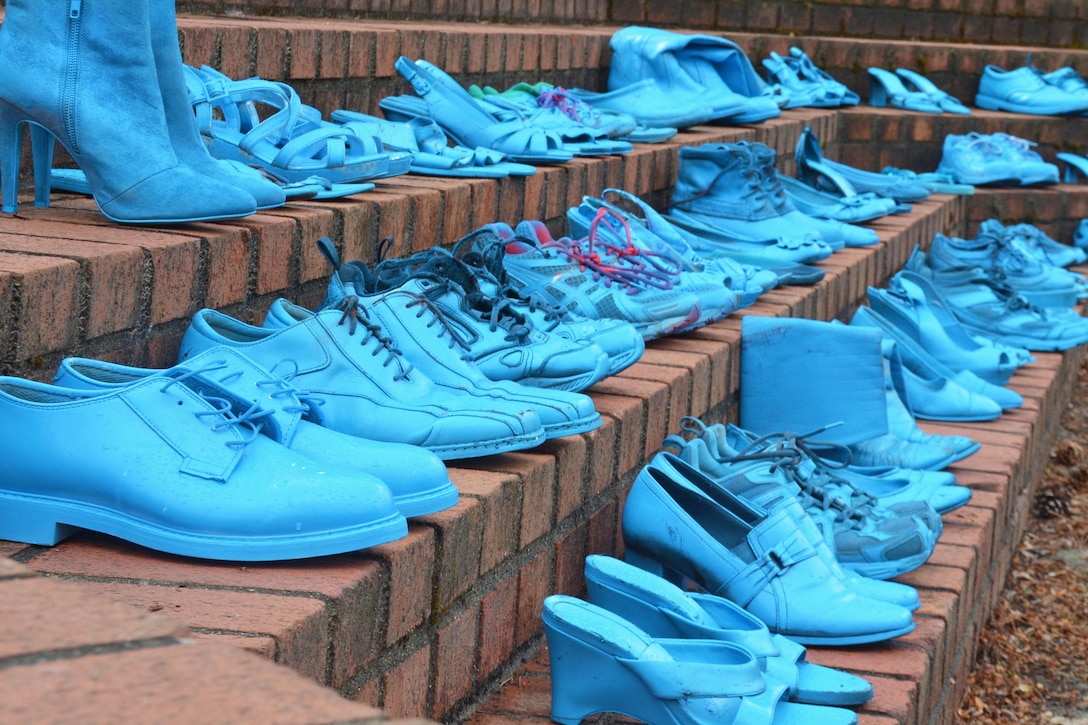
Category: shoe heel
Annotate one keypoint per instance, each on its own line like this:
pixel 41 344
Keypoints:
pixel 31 521
pixel 647 562
pixel 11 142
pixel 878 96
pixel 42 145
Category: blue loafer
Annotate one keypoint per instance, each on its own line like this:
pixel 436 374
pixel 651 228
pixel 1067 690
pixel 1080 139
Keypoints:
pixel 663 610
pixel 417 478
pixel 171 463
pixel 678 522
pixel 1025 90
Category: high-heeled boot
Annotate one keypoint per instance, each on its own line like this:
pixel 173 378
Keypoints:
pixel 83 72
pixel 180 122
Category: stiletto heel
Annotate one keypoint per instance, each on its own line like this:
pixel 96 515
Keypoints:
pixel 42 146
pixel 11 143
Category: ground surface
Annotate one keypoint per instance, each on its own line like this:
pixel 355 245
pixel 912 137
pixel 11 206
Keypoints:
pixel 1032 665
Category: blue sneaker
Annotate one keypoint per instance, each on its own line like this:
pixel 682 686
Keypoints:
pixel 438 348
pixel 484 250
pixel 500 341
pixel 416 477
pixel 994 160
pixel 569 274
pixel 169 462
pixel 369 388
pixel 1041 245
pixel 618 239
pixel 1026 90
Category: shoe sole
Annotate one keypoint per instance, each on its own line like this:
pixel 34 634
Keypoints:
pixel 47 521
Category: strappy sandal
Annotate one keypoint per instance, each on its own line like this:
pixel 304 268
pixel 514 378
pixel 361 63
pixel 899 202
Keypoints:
pixel 292 143
pixel 807 70
pixel 929 88
pixel 802 93
pixel 886 90
pixel 429 146
pixel 466 121
pixel 821 173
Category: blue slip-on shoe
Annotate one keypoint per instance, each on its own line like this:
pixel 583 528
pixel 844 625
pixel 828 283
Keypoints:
pixel 941 399
pixel 616 237
pixel 436 346
pixel 501 342
pixel 917 359
pixel 370 390
pixel 680 523
pixel 1025 90
pixel 600 662
pixel 484 249
pixel 416 477
pixel 886 90
pixel 168 462
pixel 663 610
pixel 567 273
pixel 903 425
pixel 826 205
pixel 920 84
pixel 823 173
pixel 916 308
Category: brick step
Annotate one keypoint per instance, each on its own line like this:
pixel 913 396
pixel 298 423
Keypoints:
pixel 1013 22
pixel 422 626
pixel 921 677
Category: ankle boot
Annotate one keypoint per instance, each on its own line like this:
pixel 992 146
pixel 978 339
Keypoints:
pixel 180 122
pixel 70 79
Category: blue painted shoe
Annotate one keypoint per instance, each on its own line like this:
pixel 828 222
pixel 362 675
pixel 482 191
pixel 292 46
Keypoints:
pixel 679 523
pixel 918 83
pixel 804 91
pixel 417 478
pixel 994 160
pixel 826 205
pixel 484 250
pixel 664 611
pixel 501 342
pixel 600 662
pixel 886 90
pixel 809 71
pixel 650 104
pixel 823 173
pixel 1025 90
pixel 178 468
pixel 435 346
pixel 1041 245
pixel 370 390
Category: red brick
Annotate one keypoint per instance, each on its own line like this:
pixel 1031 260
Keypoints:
pixel 602 455
pixel 406 684
pixel 571 466
pixel 411 570
pixel 498 609
pixel 456 649
pixel 630 417
pixel 44 328
pixel 458 541
pixel 535 583
pixel 500 497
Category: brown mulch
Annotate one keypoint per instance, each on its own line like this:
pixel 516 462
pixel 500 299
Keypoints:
pixel 1032 664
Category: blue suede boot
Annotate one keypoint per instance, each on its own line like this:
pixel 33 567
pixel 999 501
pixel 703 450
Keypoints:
pixel 70 80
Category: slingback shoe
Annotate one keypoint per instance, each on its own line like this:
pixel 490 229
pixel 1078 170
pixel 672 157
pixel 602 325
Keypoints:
pixel 170 463
pixel 887 90
pixel 417 478
pixel 600 662
pixel 663 610
pixel 940 98
pixel 815 170
pixel 759 560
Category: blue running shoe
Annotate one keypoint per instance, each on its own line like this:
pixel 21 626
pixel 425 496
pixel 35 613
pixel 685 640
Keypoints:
pixel 369 388
pixel 570 274
pixel 994 160
pixel 483 251
pixel 417 478
pixel 502 342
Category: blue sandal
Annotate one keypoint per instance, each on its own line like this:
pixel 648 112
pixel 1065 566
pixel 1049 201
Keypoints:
pixel 466 121
pixel 886 90
pixel 936 95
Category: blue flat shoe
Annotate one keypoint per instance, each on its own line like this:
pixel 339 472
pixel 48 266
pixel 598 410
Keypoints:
pixel 663 610
pixel 825 205
pixel 923 85
pixel 822 173
pixel 679 523
pixel 417 478
pixel 886 90
pixel 600 662
pixel 178 468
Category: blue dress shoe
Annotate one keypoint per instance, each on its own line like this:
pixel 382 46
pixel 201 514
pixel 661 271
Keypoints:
pixel 1025 90
pixel 170 462
pixel 600 662
pixel 417 478
pixel 679 523
pixel 370 390
pixel 663 610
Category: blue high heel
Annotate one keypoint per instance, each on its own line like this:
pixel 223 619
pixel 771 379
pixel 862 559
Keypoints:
pixel 600 662
pixel 127 157
pixel 664 610
pixel 940 98
pixel 886 90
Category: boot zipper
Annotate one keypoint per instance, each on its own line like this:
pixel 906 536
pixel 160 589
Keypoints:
pixel 71 75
